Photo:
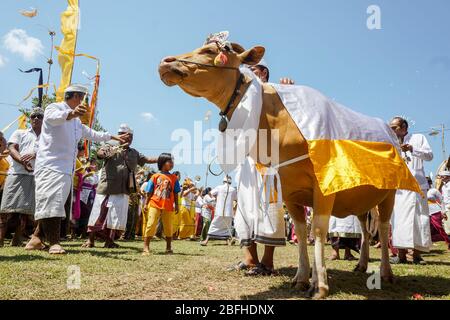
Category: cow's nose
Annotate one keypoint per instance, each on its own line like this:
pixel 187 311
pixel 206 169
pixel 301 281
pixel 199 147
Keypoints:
pixel 169 59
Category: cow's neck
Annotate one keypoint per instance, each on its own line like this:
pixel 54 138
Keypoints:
pixel 224 94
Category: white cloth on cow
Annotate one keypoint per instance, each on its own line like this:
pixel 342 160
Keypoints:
pixel 410 218
pixel 52 190
pixel 116 218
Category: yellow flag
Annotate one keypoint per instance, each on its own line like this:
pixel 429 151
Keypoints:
pixel 69 28
pixel 23 121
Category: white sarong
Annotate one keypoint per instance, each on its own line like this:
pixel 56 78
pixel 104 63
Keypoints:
pixel 257 220
pixel 221 228
pixel 411 222
pixel 116 218
pixel 52 190
pixel 348 227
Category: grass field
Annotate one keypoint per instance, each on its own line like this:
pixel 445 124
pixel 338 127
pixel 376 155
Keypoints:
pixel 195 272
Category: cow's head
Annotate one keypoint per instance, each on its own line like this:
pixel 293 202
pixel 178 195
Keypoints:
pixel 205 79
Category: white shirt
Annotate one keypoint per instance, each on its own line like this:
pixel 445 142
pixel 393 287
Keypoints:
pixel 421 152
pixel 187 200
pixel 28 144
pixel 207 202
pixel 59 138
pixel 435 201
pixel 446 195
pixel 226 195
pixel 198 204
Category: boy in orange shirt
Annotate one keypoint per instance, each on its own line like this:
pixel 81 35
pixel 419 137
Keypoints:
pixel 163 190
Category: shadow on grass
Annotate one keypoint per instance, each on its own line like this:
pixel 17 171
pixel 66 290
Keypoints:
pixel 179 254
pixel 23 258
pixel 352 283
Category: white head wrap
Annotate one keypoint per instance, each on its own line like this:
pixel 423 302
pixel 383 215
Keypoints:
pixel 125 128
pixel 77 88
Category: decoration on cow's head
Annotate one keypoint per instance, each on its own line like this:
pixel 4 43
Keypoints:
pixel 221 40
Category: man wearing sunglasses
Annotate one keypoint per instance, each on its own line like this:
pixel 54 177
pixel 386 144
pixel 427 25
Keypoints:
pixel 17 205
pixel 62 129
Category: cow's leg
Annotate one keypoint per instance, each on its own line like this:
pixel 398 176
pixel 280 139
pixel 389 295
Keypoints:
pixel 385 209
pixel 301 280
pixel 364 254
pixel 323 207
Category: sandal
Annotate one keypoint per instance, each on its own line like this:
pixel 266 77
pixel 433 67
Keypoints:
pixel 260 270
pixel 169 252
pixel 419 261
pixel 88 245
pixel 112 245
pixel 397 260
pixel 56 250
pixel 240 266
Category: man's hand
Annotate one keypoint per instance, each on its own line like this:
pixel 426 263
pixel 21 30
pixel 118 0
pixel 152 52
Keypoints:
pixel 287 81
pixel 407 147
pixel 123 138
pixel 79 111
pixel 26 159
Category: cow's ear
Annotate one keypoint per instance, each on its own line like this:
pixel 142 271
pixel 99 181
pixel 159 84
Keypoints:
pixel 237 48
pixel 252 56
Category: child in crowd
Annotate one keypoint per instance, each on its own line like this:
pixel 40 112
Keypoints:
pixel 162 190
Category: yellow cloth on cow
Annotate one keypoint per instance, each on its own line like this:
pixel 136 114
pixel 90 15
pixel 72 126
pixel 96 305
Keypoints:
pixel 347 149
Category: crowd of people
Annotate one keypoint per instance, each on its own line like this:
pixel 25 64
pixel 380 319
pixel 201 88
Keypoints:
pixel 51 190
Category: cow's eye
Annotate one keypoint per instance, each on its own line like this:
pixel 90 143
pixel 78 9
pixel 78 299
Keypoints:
pixel 209 51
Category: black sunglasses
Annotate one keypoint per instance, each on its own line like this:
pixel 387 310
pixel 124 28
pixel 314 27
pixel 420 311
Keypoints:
pixel 40 117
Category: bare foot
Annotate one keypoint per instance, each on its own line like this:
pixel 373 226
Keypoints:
pixel 35 244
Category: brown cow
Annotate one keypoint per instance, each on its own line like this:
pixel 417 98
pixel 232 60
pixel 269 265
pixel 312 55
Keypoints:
pixel 195 73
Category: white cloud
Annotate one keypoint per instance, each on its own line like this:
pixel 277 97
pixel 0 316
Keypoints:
pixel 18 41
pixel 148 116
pixel 3 61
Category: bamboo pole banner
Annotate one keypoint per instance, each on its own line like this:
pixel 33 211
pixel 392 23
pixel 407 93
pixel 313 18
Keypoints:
pixel 69 28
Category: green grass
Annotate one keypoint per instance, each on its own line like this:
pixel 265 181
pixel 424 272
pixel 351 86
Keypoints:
pixel 196 272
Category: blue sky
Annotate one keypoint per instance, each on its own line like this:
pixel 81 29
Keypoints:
pixel 402 69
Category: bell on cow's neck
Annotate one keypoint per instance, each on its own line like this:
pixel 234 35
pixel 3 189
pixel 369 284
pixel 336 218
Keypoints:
pixel 223 124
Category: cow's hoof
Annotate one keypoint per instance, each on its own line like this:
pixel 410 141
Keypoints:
pixel 322 293
pixel 359 268
pixel 302 286
pixel 311 292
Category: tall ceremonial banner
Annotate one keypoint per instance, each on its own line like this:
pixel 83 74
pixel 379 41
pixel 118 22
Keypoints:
pixel 69 28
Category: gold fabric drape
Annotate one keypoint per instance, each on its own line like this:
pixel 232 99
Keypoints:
pixel 69 29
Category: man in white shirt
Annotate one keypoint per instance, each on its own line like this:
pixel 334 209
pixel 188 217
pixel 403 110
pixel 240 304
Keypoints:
pixel 55 163
pixel 18 194
pixel 222 224
pixel 410 219
pixel 445 190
